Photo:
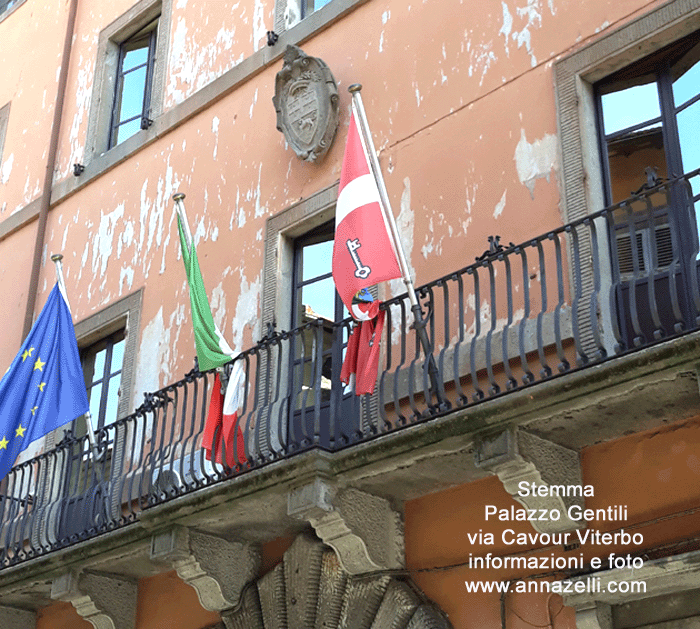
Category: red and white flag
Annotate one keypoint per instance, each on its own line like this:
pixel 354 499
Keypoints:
pixel 363 250
pixel 222 432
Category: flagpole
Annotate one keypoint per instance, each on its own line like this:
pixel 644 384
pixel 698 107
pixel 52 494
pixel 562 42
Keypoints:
pixel 384 203
pixel 178 197
pixel 57 259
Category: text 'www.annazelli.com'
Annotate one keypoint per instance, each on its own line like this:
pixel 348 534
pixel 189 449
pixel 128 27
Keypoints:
pixel 590 584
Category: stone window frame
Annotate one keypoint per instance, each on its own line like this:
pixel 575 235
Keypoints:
pixel 575 75
pixel 122 314
pixel 7 11
pixel 674 575
pixel 4 118
pixel 104 81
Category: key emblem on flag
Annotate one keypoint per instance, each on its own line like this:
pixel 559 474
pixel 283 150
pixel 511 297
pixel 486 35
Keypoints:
pixel 361 270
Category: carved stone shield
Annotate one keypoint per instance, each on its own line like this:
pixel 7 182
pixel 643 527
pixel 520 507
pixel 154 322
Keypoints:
pixel 306 101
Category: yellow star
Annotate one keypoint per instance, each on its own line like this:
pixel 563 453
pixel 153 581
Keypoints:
pixel 20 431
pixel 34 410
pixel 27 353
pixel 3 444
pixel 39 365
pixel 41 386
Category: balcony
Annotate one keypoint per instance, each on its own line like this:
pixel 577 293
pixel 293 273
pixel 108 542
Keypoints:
pixel 555 334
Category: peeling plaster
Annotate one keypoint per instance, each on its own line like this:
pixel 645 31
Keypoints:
pixel 535 161
pixel 190 71
pixel 7 168
pixel 218 305
pixel 481 59
pixel 102 244
pixel 259 30
pixel 153 356
pixel 126 274
pixel 83 97
pixel 405 224
pixel 498 210
pixel 247 312
pixel 507 26
pixel 215 131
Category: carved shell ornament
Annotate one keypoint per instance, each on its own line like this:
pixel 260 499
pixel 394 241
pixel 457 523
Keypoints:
pixel 309 588
pixel 306 101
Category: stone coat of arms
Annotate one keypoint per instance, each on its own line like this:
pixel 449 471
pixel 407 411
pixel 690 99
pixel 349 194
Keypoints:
pixel 306 101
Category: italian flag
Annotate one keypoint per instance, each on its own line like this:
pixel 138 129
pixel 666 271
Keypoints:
pixel 212 349
pixel 221 429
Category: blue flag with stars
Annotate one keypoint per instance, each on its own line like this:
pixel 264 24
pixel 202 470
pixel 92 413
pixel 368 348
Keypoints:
pixel 44 387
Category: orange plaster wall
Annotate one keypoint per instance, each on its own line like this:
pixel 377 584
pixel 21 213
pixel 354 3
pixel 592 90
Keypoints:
pixel 166 602
pixel 273 552
pixel 60 616
pixel 654 473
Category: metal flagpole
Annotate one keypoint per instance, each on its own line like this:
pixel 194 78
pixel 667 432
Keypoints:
pixel 384 203
pixel 178 197
pixel 57 260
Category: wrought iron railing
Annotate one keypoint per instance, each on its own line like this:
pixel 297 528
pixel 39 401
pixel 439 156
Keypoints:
pixel 611 283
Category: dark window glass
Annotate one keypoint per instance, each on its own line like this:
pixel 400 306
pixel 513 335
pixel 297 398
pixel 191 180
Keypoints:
pixel 309 6
pixel 7 4
pixel 102 368
pixel 132 97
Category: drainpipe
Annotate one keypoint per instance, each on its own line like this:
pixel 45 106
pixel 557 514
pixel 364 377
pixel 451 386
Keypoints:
pixel 45 200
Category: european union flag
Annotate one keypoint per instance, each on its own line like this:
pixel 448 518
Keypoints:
pixel 44 387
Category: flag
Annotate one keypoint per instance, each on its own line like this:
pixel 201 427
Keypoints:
pixel 44 386
pixel 212 349
pixel 363 250
pixel 362 352
pixel 221 426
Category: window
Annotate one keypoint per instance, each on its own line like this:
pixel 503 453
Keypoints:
pixel 132 97
pixel 605 153
pixel 314 300
pixel 6 5
pixel 291 12
pixel 129 78
pixel 649 114
pixel 102 367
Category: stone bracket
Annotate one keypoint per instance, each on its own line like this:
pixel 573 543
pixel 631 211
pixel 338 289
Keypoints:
pixel 518 457
pixel 364 530
pixel 14 618
pixel 105 601
pixel 217 568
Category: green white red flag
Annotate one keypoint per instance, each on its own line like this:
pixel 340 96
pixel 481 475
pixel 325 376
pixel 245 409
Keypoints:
pixel 212 349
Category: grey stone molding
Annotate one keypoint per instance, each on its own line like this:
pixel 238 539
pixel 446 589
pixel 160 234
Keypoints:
pixel 217 568
pixel 364 530
pixel 516 456
pixel 106 601
pixel 13 618
pixel 668 575
pixel 596 615
pixel 310 588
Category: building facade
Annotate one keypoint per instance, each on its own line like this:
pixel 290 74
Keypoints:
pixel 535 465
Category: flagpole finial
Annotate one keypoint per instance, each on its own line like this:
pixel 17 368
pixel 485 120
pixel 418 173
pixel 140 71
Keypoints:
pixel 56 257
pixel 355 87
pixel 178 196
